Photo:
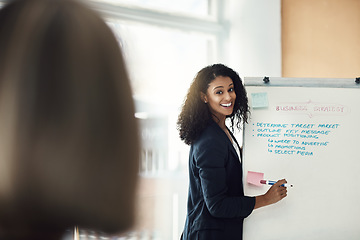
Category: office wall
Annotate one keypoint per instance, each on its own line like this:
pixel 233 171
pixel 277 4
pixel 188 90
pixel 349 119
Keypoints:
pixel 254 41
pixel 321 38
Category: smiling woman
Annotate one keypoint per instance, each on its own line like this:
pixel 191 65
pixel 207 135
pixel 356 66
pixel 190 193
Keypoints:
pixel 217 205
pixel 216 84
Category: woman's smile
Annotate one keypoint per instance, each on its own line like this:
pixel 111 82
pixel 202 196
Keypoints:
pixel 226 105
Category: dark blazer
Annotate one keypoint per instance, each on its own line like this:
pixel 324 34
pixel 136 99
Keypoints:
pixel 216 202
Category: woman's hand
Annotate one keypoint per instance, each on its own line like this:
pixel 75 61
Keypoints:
pixel 273 195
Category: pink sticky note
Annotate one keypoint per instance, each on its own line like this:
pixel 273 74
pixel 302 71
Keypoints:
pixel 254 178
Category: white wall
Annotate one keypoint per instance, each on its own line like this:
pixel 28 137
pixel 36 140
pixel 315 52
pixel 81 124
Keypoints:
pixel 254 43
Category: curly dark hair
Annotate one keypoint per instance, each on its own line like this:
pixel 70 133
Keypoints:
pixel 195 114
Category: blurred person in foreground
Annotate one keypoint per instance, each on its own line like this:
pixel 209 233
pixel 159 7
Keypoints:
pixel 68 142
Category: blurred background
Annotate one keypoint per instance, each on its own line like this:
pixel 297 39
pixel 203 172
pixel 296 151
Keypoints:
pixel 166 42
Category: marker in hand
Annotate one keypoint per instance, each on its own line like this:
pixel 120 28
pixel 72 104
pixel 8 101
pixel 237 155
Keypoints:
pixel 269 182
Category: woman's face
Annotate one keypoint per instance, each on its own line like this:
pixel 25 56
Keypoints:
pixel 220 97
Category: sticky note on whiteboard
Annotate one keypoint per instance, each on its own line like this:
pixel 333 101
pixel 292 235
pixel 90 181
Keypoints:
pixel 259 100
pixel 254 178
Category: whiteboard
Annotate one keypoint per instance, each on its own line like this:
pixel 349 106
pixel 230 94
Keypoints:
pixel 310 135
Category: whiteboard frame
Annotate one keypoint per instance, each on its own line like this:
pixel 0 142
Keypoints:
pixel 302 82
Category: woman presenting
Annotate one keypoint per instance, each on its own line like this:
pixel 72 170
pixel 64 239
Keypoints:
pixel 216 202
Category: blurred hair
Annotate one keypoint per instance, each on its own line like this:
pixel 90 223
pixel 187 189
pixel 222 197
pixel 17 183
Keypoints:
pixel 69 142
pixel 195 114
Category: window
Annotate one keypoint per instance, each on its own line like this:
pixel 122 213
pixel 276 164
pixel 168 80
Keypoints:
pixel 165 44
pixel 200 8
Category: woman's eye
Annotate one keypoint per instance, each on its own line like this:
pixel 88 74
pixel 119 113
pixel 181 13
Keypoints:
pixel 231 89
pixel 219 92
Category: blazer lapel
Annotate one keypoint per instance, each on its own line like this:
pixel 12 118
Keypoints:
pixel 223 134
